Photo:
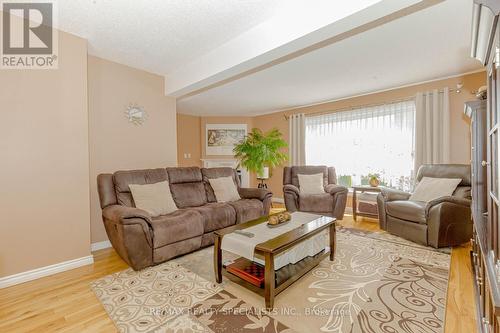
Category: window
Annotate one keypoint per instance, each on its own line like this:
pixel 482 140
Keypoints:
pixel 376 140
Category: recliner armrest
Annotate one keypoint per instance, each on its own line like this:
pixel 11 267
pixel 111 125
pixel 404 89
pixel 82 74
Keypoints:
pixel 449 199
pixel 389 194
pixel 291 189
pixel 122 214
pixel 333 189
pixel 254 193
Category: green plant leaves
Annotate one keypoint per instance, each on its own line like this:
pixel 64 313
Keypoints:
pixel 259 150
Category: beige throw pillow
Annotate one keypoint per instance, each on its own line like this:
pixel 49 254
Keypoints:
pixel 311 184
pixel 156 199
pixel 225 189
pixel 429 188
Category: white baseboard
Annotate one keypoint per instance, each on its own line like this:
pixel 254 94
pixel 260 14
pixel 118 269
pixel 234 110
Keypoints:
pixel 37 273
pixel 278 200
pixel 100 245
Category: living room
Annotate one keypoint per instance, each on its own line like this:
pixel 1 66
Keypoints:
pixel 240 166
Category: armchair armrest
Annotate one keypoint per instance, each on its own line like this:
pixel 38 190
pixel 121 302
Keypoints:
pixel 254 193
pixel 333 189
pixel 389 194
pixel 291 189
pixel 449 199
pixel 124 214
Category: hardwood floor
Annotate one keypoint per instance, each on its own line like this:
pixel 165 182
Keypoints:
pixel 65 303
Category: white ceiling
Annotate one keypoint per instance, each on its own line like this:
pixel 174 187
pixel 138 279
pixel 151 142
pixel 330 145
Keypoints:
pixel 225 57
pixel 425 45
pixel 160 35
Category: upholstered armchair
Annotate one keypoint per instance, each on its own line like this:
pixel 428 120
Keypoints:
pixel 445 221
pixel 331 203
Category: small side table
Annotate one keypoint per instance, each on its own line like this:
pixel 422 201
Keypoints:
pixel 363 188
pixel 262 183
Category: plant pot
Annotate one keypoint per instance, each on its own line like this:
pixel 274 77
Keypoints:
pixel 374 182
pixel 264 174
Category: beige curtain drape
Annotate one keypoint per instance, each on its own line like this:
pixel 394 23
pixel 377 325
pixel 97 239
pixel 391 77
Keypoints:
pixel 297 139
pixel 432 135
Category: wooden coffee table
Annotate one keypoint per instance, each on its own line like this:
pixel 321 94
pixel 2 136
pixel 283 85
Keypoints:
pixel 270 249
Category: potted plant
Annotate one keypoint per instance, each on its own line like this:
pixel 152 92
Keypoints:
pixel 374 179
pixel 261 152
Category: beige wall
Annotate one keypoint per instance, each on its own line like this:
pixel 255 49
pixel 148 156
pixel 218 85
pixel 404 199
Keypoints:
pixel 188 140
pixel 460 137
pixel 44 196
pixel 116 144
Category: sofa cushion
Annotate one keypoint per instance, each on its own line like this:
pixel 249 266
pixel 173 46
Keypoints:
pixel 308 170
pixel 122 180
pixel 311 184
pixel 225 189
pixel 413 211
pixel 187 187
pixel 188 194
pixel 211 173
pixel 247 209
pixel 156 199
pixel 429 188
pixel 316 202
pixel 175 227
pixel 216 215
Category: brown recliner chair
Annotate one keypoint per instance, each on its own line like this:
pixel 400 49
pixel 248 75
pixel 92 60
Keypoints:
pixel 445 221
pixel 331 203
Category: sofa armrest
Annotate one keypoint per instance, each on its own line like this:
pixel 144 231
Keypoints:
pixel 389 194
pixel 291 195
pixel 448 199
pixel 124 214
pixel 291 189
pixel 254 193
pixel 334 189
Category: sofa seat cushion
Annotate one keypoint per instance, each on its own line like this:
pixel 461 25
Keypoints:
pixel 216 215
pixel 175 227
pixel 413 211
pixel 316 202
pixel 247 209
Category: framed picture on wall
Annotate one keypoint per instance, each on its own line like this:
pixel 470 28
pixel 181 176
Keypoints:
pixel 220 139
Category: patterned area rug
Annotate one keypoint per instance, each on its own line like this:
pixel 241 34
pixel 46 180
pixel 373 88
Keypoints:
pixel 377 283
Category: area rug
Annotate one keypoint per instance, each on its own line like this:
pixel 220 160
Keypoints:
pixel 377 283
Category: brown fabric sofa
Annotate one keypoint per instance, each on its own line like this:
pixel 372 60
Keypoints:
pixel 331 203
pixel 142 240
pixel 442 222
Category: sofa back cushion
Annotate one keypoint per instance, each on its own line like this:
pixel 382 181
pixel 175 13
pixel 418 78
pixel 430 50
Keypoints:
pixel 307 170
pixel 187 187
pixel 122 180
pixel 212 173
pixel 462 171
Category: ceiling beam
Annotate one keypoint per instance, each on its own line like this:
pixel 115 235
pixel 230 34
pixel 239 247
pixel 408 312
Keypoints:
pixel 282 38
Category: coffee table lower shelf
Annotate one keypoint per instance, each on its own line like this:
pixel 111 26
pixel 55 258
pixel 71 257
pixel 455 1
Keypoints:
pixel 285 278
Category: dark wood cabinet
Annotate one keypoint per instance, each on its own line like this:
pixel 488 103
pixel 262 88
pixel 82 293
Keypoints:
pixel 485 128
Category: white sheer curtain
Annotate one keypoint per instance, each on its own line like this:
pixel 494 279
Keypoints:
pixel 297 139
pixel 432 138
pixel 361 142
